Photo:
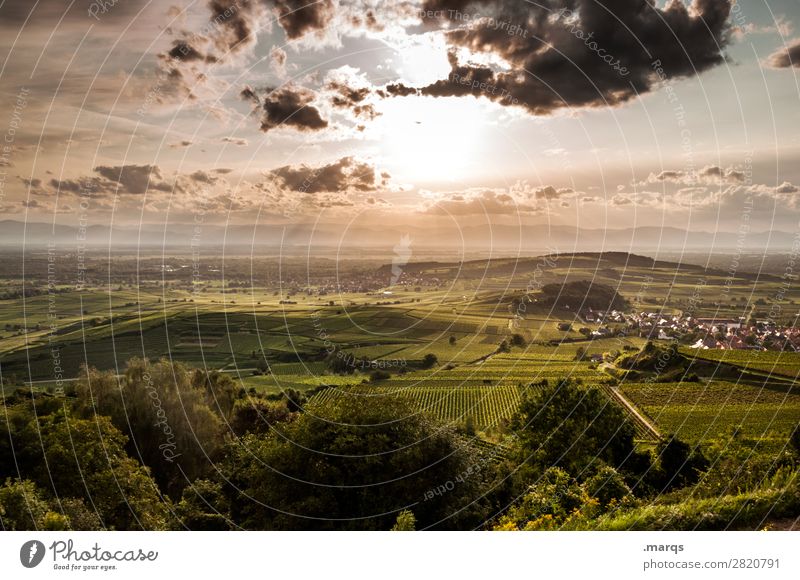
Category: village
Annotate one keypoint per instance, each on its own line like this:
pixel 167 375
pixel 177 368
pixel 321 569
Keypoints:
pixel 697 332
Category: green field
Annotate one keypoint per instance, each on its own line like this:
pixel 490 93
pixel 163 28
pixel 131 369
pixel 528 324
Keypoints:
pixel 702 412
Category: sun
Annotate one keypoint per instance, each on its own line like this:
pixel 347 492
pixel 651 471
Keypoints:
pixel 431 139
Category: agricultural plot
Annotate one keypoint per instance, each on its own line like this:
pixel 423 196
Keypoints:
pixel 700 412
pixel 786 364
pixel 485 405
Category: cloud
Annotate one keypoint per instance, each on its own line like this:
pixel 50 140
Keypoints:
pixel 229 31
pixel 277 60
pixel 350 90
pixel 481 202
pixel 180 144
pixel 300 17
pixel 236 141
pixel 548 192
pixel 135 179
pixel 201 176
pixel 598 55
pixel 709 174
pixel 93 187
pixel 786 56
pixel 346 174
pixel 289 106
pixel 787 187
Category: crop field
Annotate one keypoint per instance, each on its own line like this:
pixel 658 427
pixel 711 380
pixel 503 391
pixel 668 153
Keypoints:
pixel 701 412
pixel 485 405
pixel 770 362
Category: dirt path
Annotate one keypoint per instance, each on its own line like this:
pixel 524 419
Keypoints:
pixel 638 417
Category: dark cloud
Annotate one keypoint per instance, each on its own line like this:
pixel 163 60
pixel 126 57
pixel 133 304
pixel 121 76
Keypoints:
pixel 786 187
pixel 228 31
pixel 93 187
pixel 786 56
pixel 300 17
pixel 351 98
pixel 398 90
pixel 135 179
pixel 201 176
pixel 708 174
pixel 590 55
pixel 346 174
pixel 288 106
pixel 711 171
pixel 181 144
pixel 548 192
pixel 670 175
pixel 183 51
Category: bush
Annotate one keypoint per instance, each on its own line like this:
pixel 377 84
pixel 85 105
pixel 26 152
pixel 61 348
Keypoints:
pixel 429 360
pixel 608 486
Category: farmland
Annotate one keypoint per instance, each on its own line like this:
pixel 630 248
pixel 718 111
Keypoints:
pixel 458 352
pixel 272 338
pixel 700 412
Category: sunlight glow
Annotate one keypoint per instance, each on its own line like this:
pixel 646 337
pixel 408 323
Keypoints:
pixel 432 139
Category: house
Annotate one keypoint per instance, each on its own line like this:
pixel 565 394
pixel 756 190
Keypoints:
pixel 706 343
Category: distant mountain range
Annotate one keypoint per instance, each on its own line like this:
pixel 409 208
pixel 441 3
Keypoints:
pixel 473 238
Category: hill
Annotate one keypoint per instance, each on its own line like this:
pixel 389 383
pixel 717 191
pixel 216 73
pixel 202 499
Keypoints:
pixel 581 294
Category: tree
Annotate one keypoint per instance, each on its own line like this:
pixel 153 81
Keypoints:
pixel 350 464
pixel 680 464
pixel 469 426
pixel 406 522
pixel 24 506
pixel 163 410
pixel 256 415
pixel 452 340
pixel 379 375
pixel 518 340
pixel 575 428
pixel 294 400
pixel 263 366
pixel 220 390
pixel 608 487
pixel 554 499
pixel 429 360
pixel 204 507
pixel 84 459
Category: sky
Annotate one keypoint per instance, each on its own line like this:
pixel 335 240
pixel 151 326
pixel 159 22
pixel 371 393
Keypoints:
pixel 586 113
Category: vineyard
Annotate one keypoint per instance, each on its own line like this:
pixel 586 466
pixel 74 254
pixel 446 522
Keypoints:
pixel 485 405
pixel 772 362
pixel 700 412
